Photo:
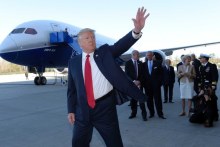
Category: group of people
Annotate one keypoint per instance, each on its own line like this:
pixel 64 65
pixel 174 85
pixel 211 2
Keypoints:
pixel 197 80
pixel 199 76
pixel 94 77
pixel 148 77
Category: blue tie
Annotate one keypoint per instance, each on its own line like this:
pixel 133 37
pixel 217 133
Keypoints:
pixel 150 66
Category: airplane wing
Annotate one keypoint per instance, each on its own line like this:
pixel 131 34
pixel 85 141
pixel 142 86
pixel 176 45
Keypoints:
pixel 169 51
pixel 166 51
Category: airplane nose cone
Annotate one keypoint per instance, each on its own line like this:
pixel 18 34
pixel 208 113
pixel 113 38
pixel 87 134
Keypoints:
pixel 8 49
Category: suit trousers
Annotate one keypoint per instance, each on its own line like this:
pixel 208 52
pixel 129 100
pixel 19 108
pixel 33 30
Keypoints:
pixel 104 118
pixel 134 108
pixel 166 88
pixel 154 96
pixel 196 87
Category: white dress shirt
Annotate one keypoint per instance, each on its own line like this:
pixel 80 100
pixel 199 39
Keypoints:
pixel 204 64
pixel 101 86
pixel 136 36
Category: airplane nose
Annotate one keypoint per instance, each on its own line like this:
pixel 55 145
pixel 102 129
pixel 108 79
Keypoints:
pixel 8 49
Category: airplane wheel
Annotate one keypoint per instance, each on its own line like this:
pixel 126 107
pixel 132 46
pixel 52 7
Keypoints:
pixel 64 82
pixel 43 81
pixel 36 81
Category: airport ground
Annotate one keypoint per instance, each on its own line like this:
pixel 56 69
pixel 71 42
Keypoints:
pixel 36 116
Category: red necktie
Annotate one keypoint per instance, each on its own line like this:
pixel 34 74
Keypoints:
pixel 88 83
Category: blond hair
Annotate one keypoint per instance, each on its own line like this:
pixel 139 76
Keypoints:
pixel 85 30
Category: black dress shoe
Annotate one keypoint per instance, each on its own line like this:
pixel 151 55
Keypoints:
pixel 144 118
pixel 216 118
pixel 171 102
pixel 165 102
pixel 162 117
pixel 151 116
pixel 132 116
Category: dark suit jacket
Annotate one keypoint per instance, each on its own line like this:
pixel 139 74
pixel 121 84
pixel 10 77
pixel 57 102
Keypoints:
pixel 180 63
pixel 196 63
pixel 105 60
pixel 208 73
pixel 155 79
pixel 168 75
pixel 130 70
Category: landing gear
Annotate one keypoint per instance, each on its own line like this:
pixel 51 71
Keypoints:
pixel 41 80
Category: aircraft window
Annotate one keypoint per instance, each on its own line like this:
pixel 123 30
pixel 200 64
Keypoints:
pixel 18 30
pixel 30 31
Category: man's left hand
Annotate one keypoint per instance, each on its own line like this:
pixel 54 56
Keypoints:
pixel 139 21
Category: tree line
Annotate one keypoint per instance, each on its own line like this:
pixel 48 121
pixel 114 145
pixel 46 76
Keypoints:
pixel 10 68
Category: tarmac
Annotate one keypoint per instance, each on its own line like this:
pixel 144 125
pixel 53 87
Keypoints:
pixel 36 116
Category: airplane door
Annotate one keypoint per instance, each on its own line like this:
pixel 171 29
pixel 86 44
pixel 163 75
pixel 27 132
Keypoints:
pixel 56 27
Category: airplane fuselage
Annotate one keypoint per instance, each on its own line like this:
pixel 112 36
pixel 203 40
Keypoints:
pixel 43 44
pixel 29 44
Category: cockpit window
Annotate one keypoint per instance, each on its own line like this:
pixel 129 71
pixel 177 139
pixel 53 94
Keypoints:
pixel 18 30
pixel 30 31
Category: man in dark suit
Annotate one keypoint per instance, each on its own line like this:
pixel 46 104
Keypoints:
pixel 92 77
pixel 180 63
pixel 196 63
pixel 133 68
pixel 168 81
pixel 208 73
pixel 152 82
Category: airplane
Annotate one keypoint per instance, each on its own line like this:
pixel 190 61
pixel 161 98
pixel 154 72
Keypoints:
pixel 41 44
